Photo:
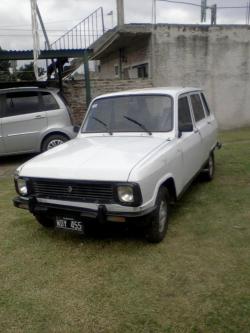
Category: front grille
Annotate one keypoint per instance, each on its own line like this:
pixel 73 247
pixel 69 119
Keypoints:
pixel 72 190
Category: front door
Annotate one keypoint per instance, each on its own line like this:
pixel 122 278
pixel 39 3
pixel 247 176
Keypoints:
pixel 23 122
pixel 189 142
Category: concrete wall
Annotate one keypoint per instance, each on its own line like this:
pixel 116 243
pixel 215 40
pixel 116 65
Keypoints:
pixel 215 58
pixel 75 92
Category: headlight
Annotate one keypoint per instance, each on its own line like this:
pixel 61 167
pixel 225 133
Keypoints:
pixel 21 186
pixel 125 194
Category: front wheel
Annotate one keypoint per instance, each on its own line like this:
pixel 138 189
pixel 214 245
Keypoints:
pixel 158 221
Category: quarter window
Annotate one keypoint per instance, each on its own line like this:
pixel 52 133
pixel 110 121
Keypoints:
pixel 205 104
pixel 21 103
pixel 184 116
pixel 49 102
pixel 197 107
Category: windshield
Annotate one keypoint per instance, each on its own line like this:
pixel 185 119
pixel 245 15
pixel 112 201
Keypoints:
pixel 134 113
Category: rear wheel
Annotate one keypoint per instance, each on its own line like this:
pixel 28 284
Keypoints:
pixel 158 221
pixel 208 171
pixel 53 141
pixel 44 221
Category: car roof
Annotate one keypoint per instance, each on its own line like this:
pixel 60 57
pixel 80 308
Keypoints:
pixel 32 88
pixel 172 91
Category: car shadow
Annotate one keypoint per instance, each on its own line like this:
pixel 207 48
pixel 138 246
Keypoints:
pixel 15 159
pixel 8 164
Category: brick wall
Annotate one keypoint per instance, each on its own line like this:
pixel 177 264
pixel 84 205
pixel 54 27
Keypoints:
pixel 75 92
pixel 135 54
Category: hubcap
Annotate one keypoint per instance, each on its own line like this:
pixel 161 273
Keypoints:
pixel 54 143
pixel 163 215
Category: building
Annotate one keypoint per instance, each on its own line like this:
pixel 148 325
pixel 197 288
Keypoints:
pixel 216 58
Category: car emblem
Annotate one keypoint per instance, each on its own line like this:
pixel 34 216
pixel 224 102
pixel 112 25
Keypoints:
pixel 70 189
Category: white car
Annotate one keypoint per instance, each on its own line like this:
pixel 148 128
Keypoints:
pixel 137 151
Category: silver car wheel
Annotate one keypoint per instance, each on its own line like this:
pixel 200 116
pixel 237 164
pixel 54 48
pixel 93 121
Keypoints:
pixel 163 213
pixel 54 143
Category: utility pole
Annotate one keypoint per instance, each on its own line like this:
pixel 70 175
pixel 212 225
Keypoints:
pixel 35 34
pixel 120 13
pixel 47 43
pixel 213 9
pixel 213 15
pixel 203 10
pixel 248 13
pixel 153 40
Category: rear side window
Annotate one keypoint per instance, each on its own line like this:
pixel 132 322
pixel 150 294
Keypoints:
pixel 205 104
pixel 197 107
pixel 19 103
pixel 49 102
pixel 184 115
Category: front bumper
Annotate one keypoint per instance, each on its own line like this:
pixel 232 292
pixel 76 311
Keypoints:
pixel 101 214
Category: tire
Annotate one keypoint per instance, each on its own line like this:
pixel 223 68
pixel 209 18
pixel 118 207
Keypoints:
pixel 158 221
pixel 53 141
pixel 44 221
pixel 208 171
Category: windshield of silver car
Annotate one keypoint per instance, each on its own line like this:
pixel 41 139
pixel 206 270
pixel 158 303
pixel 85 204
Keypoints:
pixel 132 113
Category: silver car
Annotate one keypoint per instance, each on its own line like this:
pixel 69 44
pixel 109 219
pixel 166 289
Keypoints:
pixel 33 120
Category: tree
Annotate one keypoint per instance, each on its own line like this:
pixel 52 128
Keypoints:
pixel 4 70
pixel 26 72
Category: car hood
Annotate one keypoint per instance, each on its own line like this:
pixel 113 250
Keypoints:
pixel 92 158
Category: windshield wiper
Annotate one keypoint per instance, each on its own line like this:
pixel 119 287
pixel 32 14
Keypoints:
pixel 139 124
pixel 103 123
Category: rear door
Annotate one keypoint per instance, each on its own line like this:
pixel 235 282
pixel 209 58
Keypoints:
pixel 201 124
pixel 189 142
pixel 56 111
pixel 1 130
pixel 212 124
pixel 23 121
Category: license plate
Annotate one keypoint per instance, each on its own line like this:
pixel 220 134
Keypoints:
pixel 69 223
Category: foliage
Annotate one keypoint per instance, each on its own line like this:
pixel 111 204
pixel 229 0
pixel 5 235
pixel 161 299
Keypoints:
pixel 26 72
pixel 4 70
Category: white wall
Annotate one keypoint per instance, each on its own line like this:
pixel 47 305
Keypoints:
pixel 215 58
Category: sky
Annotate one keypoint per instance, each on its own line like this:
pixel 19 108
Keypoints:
pixel 61 15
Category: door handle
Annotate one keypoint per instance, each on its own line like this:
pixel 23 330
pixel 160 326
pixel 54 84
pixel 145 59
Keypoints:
pixel 196 130
pixel 39 117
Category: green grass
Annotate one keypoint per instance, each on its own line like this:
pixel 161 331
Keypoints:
pixel 197 280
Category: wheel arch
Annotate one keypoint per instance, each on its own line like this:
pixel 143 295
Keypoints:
pixel 169 184
pixel 47 135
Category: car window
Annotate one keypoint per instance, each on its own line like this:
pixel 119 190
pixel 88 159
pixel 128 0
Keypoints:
pixel 197 107
pixel 184 115
pixel 49 102
pixel 18 103
pixel 130 114
pixel 205 104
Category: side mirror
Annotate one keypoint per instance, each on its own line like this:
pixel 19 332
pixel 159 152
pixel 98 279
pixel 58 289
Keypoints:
pixel 186 128
pixel 76 129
